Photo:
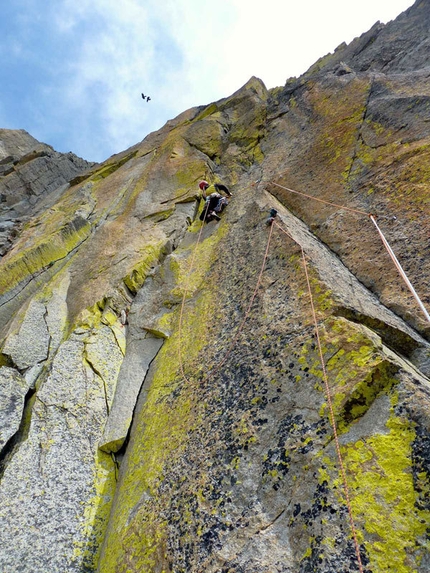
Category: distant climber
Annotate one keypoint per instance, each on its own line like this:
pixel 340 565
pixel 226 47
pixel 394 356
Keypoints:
pixel 272 215
pixel 214 201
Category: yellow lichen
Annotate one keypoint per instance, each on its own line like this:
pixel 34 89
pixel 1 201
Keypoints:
pixel 150 257
pixel 96 512
pixel 383 498
pixel 44 252
pixel 170 411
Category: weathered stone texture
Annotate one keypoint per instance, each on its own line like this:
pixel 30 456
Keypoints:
pixel 30 345
pixel 32 177
pixel 163 405
pixel 13 389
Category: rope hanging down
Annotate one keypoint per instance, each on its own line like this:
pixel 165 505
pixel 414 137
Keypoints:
pixel 181 312
pixel 400 269
pixel 384 241
pixel 330 405
pixel 244 319
pixel 321 200
pixel 325 377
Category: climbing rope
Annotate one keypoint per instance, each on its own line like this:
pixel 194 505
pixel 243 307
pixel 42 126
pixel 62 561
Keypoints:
pixel 317 334
pixel 384 241
pixel 325 377
pixel 251 302
pixel 242 323
pixel 330 404
pixel 400 269
pixel 184 296
pixel 321 200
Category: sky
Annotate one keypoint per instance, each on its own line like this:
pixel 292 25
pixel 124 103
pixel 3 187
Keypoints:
pixel 72 71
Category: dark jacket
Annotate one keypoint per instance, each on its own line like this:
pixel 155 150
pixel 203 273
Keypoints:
pixel 213 198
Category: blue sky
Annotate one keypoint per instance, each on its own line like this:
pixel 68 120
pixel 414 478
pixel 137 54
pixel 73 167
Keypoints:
pixel 72 71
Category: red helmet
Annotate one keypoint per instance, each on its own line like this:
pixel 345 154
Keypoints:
pixel 203 185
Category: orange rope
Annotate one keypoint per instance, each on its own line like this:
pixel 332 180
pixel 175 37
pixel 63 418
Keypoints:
pixel 333 423
pixel 181 312
pixel 241 325
pixel 331 409
pixel 325 377
pixel 321 200
pixel 315 320
pixel 400 269
pixel 251 302
pixel 385 242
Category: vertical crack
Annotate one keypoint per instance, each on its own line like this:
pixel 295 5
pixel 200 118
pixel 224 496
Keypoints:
pixel 96 371
pixel 120 453
pixel 359 138
pixel 12 445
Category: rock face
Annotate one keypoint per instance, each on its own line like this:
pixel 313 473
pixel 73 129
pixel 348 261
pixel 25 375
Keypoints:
pixel 32 177
pixel 241 395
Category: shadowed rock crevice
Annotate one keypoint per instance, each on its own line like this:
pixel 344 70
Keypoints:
pixel 118 447
pixel 398 340
pixel 12 445
pixel 203 380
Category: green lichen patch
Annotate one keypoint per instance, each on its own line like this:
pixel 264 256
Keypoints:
pixel 247 132
pixel 209 110
pixel 337 116
pixel 96 512
pixel 190 265
pixel 97 173
pixel 356 367
pixel 410 168
pixel 43 253
pixel 383 498
pixel 150 257
pixel 206 136
pixel 170 412
pixel 91 317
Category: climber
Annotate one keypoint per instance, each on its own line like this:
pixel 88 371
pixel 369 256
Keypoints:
pixel 214 201
pixel 272 215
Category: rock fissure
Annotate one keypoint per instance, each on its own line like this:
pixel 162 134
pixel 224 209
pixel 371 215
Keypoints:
pixel 125 440
pixel 129 467
pixel 100 375
pixel 12 445
pixel 32 275
pixel 265 527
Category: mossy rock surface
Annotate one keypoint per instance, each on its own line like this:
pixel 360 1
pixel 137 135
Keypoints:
pixel 168 406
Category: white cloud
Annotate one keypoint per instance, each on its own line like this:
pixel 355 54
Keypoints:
pixel 287 37
pixel 181 52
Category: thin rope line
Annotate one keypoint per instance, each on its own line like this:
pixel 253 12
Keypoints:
pixel 184 295
pixel 321 200
pixel 332 421
pixel 328 395
pixel 384 240
pixel 248 310
pixel 400 269
pixel 331 409
pixel 241 325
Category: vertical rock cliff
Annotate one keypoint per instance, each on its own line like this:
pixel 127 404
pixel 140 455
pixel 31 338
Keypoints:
pixel 32 177
pixel 237 396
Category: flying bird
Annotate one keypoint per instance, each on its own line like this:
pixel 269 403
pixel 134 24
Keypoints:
pixel 146 97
